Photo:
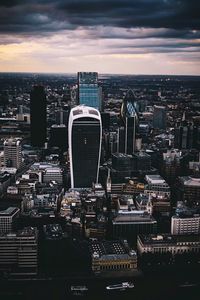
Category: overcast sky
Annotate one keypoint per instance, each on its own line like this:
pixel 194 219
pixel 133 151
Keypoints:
pixel 107 36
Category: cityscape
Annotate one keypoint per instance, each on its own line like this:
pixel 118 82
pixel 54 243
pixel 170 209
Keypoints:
pixel 99 150
pixel 100 185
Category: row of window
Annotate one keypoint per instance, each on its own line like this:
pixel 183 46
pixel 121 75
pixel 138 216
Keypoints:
pixel 115 267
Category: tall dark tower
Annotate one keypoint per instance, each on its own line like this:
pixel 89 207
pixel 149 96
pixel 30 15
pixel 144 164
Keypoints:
pixel 127 132
pixel 85 138
pixel 159 117
pixel 38 110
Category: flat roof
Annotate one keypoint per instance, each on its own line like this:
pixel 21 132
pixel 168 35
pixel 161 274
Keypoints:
pixel 134 217
pixel 190 181
pixel 25 232
pixel 154 179
pixel 109 249
pixel 167 239
pixel 9 211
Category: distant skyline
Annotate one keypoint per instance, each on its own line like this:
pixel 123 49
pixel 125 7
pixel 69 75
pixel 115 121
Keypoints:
pixel 107 36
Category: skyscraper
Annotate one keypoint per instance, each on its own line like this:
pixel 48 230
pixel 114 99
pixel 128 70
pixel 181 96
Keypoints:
pixel 187 136
pixel 129 118
pixel 89 93
pixel 13 153
pixel 58 134
pixel 159 117
pixel 85 136
pixel 38 116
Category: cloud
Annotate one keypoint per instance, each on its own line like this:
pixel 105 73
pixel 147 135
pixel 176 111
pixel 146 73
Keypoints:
pixel 101 19
pixel 51 16
pixel 62 29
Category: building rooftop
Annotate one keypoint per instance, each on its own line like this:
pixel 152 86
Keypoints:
pixel 25 232
pixel 190 181
pixel 58 126
pixel 9 211
pixel 154 179
pixel 110 250
pixel 142 199
pixel 85 111
pixel 121 155
pixel 133 216
pixel 168 239
pixel 53 231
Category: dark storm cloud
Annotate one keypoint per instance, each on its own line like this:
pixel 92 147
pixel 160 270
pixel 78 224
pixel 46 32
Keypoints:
pixel 122 25
pixel 132 13
pixel 108 33
pixel 49 16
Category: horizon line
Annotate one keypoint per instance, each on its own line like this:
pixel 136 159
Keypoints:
pixel 116 74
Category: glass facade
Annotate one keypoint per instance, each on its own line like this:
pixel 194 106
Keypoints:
pixel 159 117
pixel 85 148
pixel 130 120
pixel 85 137
pixel 128 108
pixel 89 92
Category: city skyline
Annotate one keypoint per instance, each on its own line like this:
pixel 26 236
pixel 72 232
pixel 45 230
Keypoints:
pixel 122 37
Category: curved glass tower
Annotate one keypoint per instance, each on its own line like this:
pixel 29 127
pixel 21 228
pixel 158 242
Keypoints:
pixel 129 117
pixel 128 108
pixel 85 137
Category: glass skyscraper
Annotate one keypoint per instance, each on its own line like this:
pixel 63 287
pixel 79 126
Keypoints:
pixel 85 137
pixel 89 93
pixel 127 133
pixel 159 117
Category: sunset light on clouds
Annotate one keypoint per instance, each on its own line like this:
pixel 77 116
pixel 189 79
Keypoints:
pixel 121 36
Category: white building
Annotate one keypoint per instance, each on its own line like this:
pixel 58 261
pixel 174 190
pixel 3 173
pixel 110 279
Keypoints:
pixel 13 153
pixel 185 224
pixel 84 139
pixel 164 243
pixel 156 185
pixel 47 172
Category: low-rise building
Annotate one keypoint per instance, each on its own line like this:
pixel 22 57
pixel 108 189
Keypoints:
pixel 112 256
pixel 186 220
pixel 127 224
pixel 185 224
pixel 167 243
pixel 156 185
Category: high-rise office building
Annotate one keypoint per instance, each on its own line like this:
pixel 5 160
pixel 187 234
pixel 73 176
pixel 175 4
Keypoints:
pixel 187 136
pixel 105 117
pixel 58 134
pixel 62 115
pixel 85 136
pixel 38 116
pixel 127 132
pixel 6 219
pixel 159 117
pixel 13 153
pixel 89 92
pixel 19 252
